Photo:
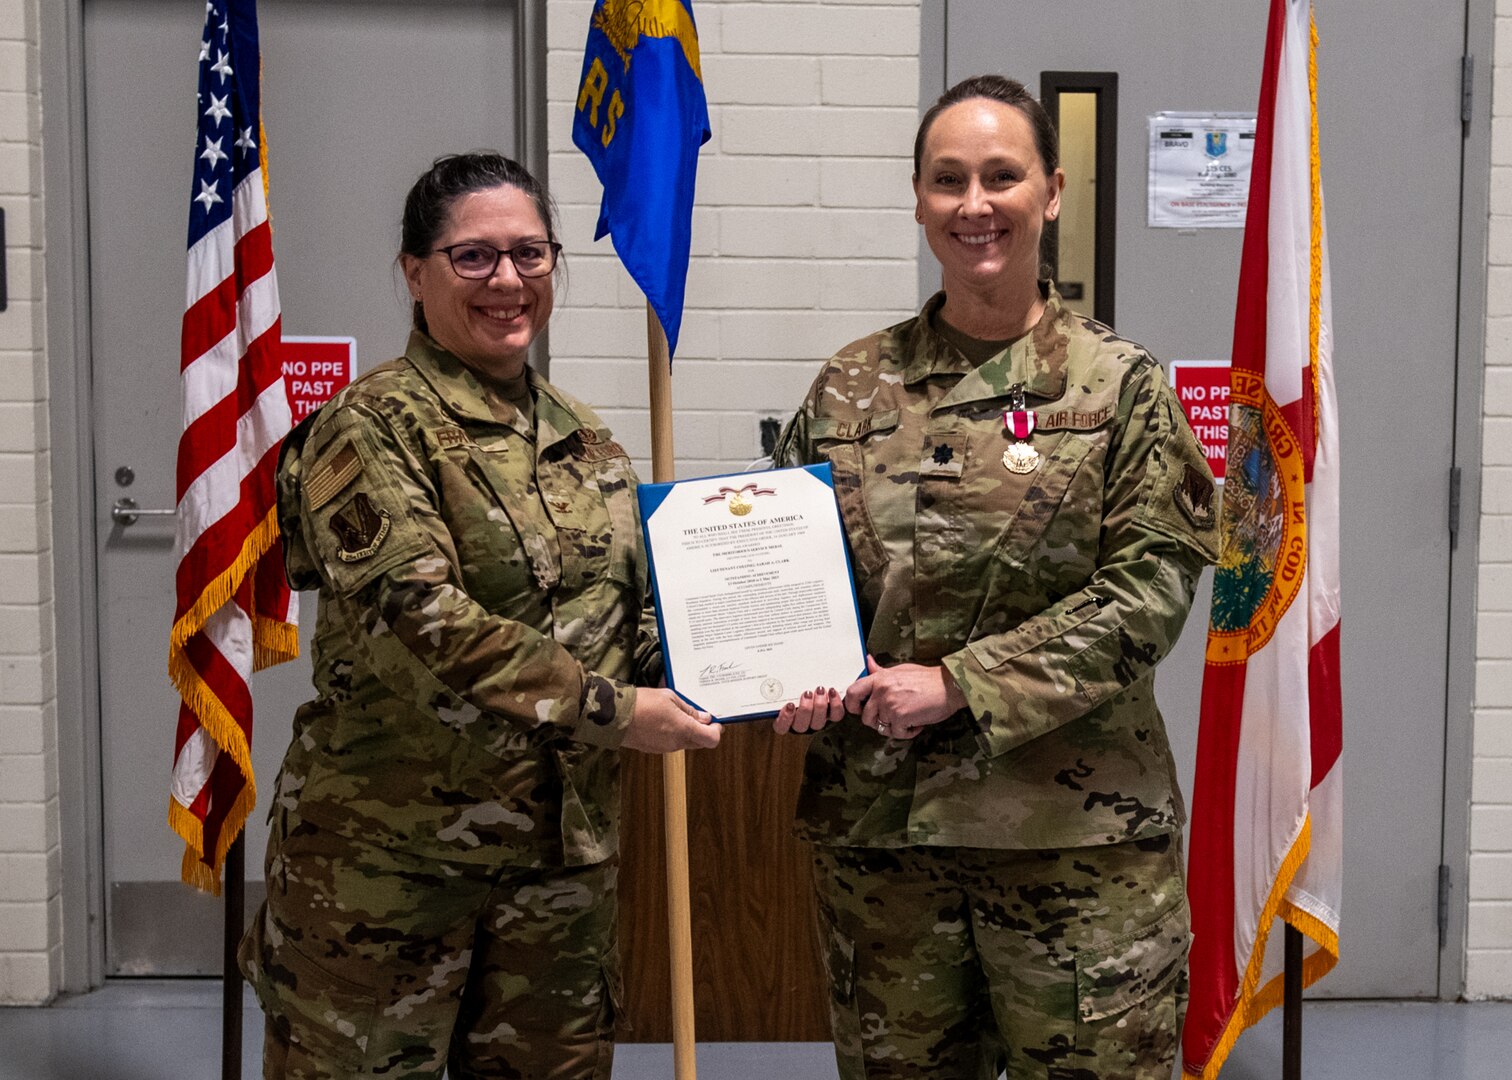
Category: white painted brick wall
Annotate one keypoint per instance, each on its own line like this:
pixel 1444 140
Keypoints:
pixel 1488 971
pixel 803 237
pixel 30 857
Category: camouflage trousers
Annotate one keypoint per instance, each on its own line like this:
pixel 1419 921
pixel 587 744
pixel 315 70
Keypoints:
pixel 374 962
pixel 961 963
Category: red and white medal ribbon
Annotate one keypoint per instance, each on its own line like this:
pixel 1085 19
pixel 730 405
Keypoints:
pixel 1021 457
pixel 1020 422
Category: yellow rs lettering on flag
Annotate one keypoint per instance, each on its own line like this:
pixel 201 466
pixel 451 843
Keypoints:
pixel 641 117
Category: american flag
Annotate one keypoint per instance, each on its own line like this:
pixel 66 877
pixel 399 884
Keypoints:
pixel 235 612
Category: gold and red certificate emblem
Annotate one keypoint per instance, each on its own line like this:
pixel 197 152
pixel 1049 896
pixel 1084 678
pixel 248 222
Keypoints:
pixel 738 500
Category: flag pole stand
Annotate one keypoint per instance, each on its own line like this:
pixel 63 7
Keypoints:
pixel 674 765
pixel 235 876
pixel 1291 1007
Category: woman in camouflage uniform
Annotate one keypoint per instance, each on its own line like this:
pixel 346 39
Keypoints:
pixel 441 870
pixel 997 840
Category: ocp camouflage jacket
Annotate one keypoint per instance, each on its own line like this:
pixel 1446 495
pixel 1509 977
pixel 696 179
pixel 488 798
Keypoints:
pixel 482 616
pixel 1049 595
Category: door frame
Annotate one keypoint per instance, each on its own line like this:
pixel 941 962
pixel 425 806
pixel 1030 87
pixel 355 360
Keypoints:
pixel 75 522
pixel 1105 203
pixel 71 447
pixel 1469 373
pixel 1464 559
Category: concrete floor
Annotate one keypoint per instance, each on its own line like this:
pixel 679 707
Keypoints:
pixel 146 1030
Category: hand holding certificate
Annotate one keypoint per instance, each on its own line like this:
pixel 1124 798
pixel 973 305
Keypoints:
pixel 753 589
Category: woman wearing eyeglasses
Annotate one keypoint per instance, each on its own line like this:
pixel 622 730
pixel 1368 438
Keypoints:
pixel 441 869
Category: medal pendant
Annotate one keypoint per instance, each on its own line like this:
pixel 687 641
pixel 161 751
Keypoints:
pixel 1021 457
pixel 1019 422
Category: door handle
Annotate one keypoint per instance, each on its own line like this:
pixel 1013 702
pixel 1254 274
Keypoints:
pixel 126 511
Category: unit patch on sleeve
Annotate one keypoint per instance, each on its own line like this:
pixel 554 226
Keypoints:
pixel 360 528
pixel 1194 497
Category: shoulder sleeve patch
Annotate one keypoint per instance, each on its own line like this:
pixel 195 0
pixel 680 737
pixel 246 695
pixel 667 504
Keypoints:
pixel 1183 499
pixel 332 474
pixel 1194 496
pixel 360 528
pixel 360 500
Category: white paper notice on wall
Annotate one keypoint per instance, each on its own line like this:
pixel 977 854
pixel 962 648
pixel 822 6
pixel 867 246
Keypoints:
pixel 1200 169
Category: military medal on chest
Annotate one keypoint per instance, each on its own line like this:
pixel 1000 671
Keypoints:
pixel 1019 422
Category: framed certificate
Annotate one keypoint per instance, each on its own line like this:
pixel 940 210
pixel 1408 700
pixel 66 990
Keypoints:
pixel 754 595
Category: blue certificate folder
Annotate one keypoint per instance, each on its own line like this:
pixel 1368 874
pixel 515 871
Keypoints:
pixel 733 501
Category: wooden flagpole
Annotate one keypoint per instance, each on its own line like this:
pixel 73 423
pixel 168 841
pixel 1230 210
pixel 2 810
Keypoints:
pixel 234 875
pixel 674 765
pixel 1291 1011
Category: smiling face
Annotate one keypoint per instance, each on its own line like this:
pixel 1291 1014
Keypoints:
pixel 487 323
pixel 984 196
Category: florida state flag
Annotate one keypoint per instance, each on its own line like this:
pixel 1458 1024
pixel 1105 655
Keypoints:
pixel 1266 813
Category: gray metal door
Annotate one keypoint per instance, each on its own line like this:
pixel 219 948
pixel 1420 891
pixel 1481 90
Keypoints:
pixel 358 97
pixel 1394 241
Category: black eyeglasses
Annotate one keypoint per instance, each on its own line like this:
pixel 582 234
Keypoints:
pixel 534 258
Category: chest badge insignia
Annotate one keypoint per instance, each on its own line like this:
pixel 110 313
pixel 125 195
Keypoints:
pixel 1019 422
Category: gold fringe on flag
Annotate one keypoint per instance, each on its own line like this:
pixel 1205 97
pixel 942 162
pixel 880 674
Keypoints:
pixel 1256 1000
pixel 273 642
pixel 194 870
pixel 1253 1002
pixel 214 716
